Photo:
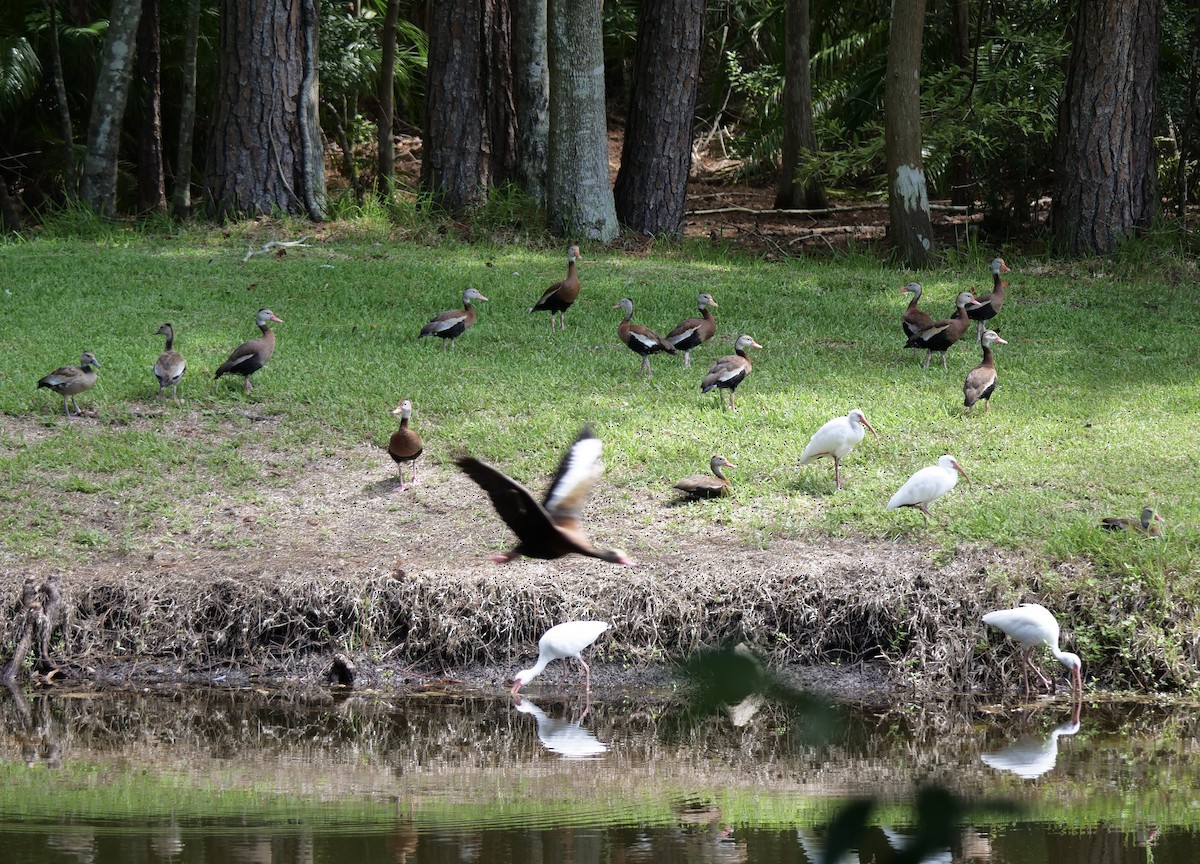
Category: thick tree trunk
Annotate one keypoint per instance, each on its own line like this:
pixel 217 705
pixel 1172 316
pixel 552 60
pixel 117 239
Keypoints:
pixel 386 157
pixel 152 194
pixel 470 133
pixel 962 182
pixel 531 91
pixel 799 135
pixel 579 200
pixel 98 185
pixel 181 199
pixel 265 151
pixel 908 200
pixel 651 188
pixel 1107 174
pixel 10 210
pixel 66 129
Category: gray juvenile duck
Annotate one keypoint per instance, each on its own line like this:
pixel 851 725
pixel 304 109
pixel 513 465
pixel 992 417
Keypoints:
pixel 170 365
pixel 1150 523
pixel 70 381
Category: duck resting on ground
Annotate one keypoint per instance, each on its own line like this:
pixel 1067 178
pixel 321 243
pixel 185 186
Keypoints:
pixel 252 354
pixel 708 486
pixel 69 381
pixel 559 296
pixel 1150 523
pixel 405 445
pixel 641 340
pixel 836 439
pixel 450 325
pixel 731 370
pixel 170 365
pixel 551 529
pixel 694 332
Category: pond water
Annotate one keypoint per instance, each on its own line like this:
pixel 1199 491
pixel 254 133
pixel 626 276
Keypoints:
pixel 263 778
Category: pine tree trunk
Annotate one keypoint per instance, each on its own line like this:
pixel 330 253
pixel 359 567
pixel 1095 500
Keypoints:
pixel 181 199
pixel 152 195
pixel 910 227
pixel 962 180
pixel 386 165
pixel 799 134
pixel 265 152
pixel 1107 186
pixel 66 128
pixel 651 188
pixel 98 184
pixel 531 92
pixel 579 200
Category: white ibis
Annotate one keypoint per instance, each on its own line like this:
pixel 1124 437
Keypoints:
pixel 837 438
pixel 562 642
pixel 1031 756
pixel 1150 523
pixel 1031 626
pixel 561 736
pixel 550 529
pixel 927 485
pixel 69 381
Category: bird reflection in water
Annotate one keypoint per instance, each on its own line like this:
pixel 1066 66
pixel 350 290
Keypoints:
pixel 568 739
pixel 1031 756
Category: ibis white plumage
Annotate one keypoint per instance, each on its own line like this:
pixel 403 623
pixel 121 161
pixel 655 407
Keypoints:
pixel 927 485
pixel 1031 626
pixel 836 439
pixel 562 642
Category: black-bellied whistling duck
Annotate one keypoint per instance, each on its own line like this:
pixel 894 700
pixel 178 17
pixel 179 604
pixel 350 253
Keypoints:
pixel 731 370
pixel 550 529
pixel 940 335
pixel 694 332
pixel 170 365
pixel 836 439
pixel 405 445
pixel 927 485
pixel 559 296
pixel 981 381
pixel 252 354
pixel 990 303
pixel 69 381
pixel 1150 523
pixel 914 320
pixel 641 340
pixel 450 325
pixel 705 485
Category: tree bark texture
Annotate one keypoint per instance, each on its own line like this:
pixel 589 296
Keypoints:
pixel 265 151
pixel 651 188
pixel 1107 178
pixel 579 199
pixel 98 184
pixel 799 134
pixel 910 227
pixel 470 131
pixel 962 181
pixel 386 167
pixel 152 194
pixel 531 94
pixel 67 129
pixel 181 196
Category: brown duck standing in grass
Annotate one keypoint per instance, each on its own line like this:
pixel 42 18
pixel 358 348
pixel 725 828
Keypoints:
pixel 981 381
pixel 170 365
pixel 715 485
pixel 694 332
pixel 252 354
pixel 559 296
pixel 1150 523
pixel 450 325
pixel 405 445
pixel 69 381
pixel 990 303
pixel 551 529
pixel 731 370
pixel 941 335
pixel 914 320
pixel 641 340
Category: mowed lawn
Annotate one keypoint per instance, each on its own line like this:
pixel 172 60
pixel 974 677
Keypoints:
pixel 1095 414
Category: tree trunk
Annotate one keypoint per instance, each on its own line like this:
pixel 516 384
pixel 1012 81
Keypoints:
pixel 908 201
pixel 181 202
pixel 1107 173
pixel 265 151
pixel 386 164
pixel 651 189
pixel 579 200
pixel 152 194
pixel 962 182
pixel 98 185
pixel 66 129
pixel 10 210
pixel 470 133
pixel 531 91
pixel 799 135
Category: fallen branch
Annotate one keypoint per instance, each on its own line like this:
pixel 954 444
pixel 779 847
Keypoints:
pixel 275 244
pixel 822 211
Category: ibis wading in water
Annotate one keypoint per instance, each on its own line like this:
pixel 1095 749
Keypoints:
pixel 562 642
pixel 927 485
pixel 837 438
pixel 1031 626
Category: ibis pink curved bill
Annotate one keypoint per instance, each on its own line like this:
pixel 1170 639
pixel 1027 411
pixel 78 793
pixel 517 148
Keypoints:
pixel 562 642
pixel 1031 626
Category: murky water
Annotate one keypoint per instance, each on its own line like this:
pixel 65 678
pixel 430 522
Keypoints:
pixel 225 778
